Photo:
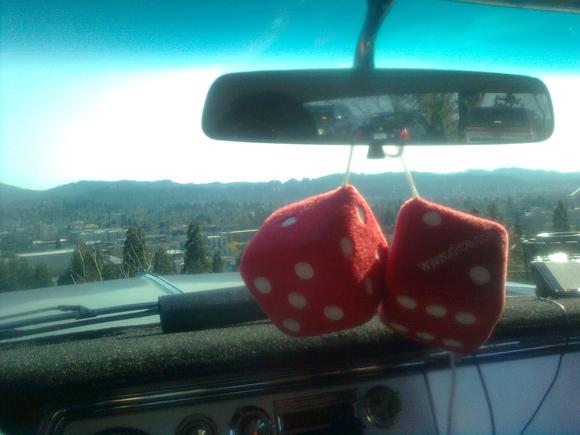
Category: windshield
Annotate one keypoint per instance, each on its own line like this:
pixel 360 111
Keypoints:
pixel 105 172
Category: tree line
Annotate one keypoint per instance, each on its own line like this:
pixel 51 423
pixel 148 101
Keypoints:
pixel 88 264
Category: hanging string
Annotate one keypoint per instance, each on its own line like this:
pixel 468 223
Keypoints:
pixel 431 402
pixel 410 180
pixel 408 175
pixel 558 367
pixel 451 402
pixel 486 394
pixel 347 173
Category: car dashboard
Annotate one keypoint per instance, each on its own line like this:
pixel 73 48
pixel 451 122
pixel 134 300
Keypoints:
pixel 250 378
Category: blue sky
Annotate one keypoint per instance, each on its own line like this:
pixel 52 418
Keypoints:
pixel 86 86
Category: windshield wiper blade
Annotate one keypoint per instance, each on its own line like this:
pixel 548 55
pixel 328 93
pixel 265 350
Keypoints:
pixel 69 312
pixel 177 313
pixel 17 333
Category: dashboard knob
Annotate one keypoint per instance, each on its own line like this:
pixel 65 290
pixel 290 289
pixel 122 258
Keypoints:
pixel 196 425
pixel 251 420
pixel 380 406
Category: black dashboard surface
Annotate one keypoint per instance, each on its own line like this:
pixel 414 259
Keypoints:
pixel 40 371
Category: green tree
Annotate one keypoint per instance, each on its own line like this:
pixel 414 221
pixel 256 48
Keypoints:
pixel 110 271
pixel 5 278
pixel 217 264
pixel 441 110
pixel 507 101
pixel 196 258
pixel 15 274
pixel 22 274
pixel 517 268
pixel 560 217
pixel 136 257
pixel 162 263
pixel 86 265
pixel 41 277
pixel 238 262
pixel 493 211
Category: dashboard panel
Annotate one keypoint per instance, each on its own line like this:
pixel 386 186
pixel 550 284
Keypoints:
pixel 414 399
pixel 144 380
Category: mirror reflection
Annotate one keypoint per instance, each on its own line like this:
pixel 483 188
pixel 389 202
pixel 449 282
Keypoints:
pixel 430 118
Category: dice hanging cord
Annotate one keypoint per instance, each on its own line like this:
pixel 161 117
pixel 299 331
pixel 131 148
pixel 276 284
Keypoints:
pixel 431 403
pixel 347 173
pixel 486 394
pixel 408 175
pixel 558 367
pixel 410 180
pixel 451 402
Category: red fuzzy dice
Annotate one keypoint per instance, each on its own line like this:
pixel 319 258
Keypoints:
pixel 317 266
pixel 446 276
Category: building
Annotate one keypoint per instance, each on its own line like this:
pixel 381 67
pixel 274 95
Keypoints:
pixel 47 232
pixel 99 235
pixel 217 244
pixel 56 261
pixel 240 236
pixel 222 242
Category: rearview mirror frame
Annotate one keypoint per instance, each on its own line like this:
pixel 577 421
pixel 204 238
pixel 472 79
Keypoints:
pixel 305 86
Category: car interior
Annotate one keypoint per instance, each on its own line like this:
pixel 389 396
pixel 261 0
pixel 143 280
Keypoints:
pixel 204 354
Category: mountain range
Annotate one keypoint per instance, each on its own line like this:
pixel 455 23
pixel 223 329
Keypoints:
pixel 474 183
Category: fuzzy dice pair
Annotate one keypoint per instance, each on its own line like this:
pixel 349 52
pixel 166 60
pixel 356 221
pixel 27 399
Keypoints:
pixel 322 265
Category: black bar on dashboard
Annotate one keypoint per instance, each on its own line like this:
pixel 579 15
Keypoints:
pixel 208 309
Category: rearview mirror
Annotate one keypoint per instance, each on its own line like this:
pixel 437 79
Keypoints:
pixel 403 107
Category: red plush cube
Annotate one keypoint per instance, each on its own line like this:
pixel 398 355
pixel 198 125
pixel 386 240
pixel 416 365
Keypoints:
pixel 446 276
pixel 317 266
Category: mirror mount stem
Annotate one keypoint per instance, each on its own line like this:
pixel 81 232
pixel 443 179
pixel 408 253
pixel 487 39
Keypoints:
pixel 364 58
pixel 377 10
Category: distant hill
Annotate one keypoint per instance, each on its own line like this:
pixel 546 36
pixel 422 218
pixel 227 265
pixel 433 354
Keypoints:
pixel 10 194
pixel 474 183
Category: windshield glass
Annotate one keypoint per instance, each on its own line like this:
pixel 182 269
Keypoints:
pixel 105 172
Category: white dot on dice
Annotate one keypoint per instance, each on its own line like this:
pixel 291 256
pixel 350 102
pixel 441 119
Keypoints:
pixel 465 318
pixel 431 218
pixel 407 302
pixel 304 270
pixel 479 275
pixel 369 286
pixel 291 325
pixel 289 221
pixel 425 336
pixel 297 300
pixel 361 214
pixel 452 343
pixel 346 245
pixel 332 312
pixel 399 327
pixel 436 310
pixel 262 285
